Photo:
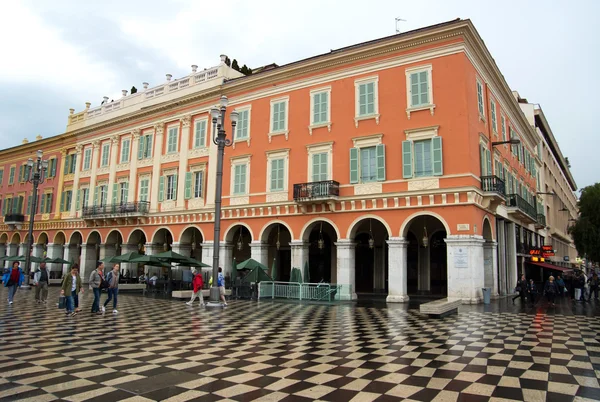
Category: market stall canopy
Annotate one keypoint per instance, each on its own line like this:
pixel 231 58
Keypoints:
pixel 250 264
pixel 127 257
pixel 150 260
pixel 111 260
pixel 256 275
pixel 192 262
pixel 21 258
pixel 171 256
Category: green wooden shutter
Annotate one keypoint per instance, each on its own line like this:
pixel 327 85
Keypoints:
pixel 380 154
pixel 43 203
pixel 66 166
pixel 353 165
pixel 95 196
pixel 161 188
pixel 407 160
pixel 21 173
pixel 62 201
pixel 174 187
pixel 141 147
pixel 438 163
pixel 29 205
pixel 482 164
pixel 78 200
pixel 115 193
pixel 316 168
pixel 188 185
pixel 488 159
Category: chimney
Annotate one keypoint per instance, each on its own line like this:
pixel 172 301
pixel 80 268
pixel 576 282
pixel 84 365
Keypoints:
pixel 194 68
pixel 223 58
pixel 39 137
pixel 71 111
pixel 105 99
pixel 169 76
pixel 145 84
pixel 124 92
pixel 25 141
pixel 87 105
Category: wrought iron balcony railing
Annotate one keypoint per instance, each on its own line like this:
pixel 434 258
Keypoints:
pixel 14 218
pixel 316 190
pixel 541 220
pixel 125 209
pixel 493 184
pixel 515 200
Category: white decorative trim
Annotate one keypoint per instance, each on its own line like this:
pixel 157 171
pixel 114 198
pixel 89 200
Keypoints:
pixel 195 203
pixel 170 171
pixel 286 133
pixel 123 179
pixel 367 141
pixel 427 184
pixel 424 133
pixel 368 188
pixel 68 177
pixel 168 205
pixel 357 84
pixel 123 166
pixel 279 196
pixel 430 106
pixel 198 152
pixel 237 200
pixel 144 162
pixel 320 148
pixel 326 123
pixel 103 170
pixel 169 157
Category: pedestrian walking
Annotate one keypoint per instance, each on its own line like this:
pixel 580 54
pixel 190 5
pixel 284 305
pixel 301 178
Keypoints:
pixel 580 287
pixel 521 290
pixel 562 288
pixel 551 290
pixel 532 291
pixel 40 281
pixel 97 283
pixel 12 280
pixel 71 285
pixel 112 278
pixel 76 296
pixel 221 285
pixel 198 284
pixel 594 283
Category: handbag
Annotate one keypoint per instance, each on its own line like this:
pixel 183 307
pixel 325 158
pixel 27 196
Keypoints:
pixel 62 302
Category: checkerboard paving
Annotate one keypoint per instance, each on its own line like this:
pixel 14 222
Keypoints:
pixel 163 350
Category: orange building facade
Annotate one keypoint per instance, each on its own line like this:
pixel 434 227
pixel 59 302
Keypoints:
pixel 374 164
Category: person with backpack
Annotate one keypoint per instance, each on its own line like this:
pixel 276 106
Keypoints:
pixel 112 278
pixel 97 283
pixel 551 290
pixel 12 280
pixel 71 285
pixel 198 284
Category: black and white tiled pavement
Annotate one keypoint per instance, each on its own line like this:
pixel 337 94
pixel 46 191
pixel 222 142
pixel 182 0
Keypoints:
pixel 163 350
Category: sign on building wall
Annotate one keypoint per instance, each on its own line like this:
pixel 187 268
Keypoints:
pixel 461 258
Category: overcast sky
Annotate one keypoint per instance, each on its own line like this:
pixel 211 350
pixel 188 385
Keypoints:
pixel 58 54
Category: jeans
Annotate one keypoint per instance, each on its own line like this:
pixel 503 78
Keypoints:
pixel 69 304
pixel 76 300
pixel 112 294
pixel 96 303
pixel 12 289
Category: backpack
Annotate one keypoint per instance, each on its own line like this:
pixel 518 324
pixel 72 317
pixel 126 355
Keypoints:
pixel 103 283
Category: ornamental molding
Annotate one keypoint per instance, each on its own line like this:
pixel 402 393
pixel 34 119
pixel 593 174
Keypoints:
pixel 185 121
pixel 123 166
pixel 426 184
pixel 114 139
pixel 245 200
pixel 145 162
pixel 277 197
pixel 103 170
pixel 368 188
pixel 169 157
pixel 78 149
pixel 136 133
pixel 159 128
pixel 198 152
pixel 96 144
pixel 168 205
pixel 195 203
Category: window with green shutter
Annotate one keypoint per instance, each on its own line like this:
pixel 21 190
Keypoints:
pixel 66 164
pixel 482 163
pixel 188 186
pixel 320 107
pixel 368 164
pixel 480 101
pixel 278 122
pixel 78 200
pixel 115 194
pixel 493 112
pixel 200 133
pixel 380 155
pixel 125 145
pixel 170 187
pixel 29 199
pixel 407 160
pixel 239 183
pixel 87 159
pixel 62 201
pixel 320 167
pixel 105 155
pixel 144 184
pixel 353 165
pixel 73 164
pixel 503 122
pixel 277 174
pixel 172 140
pixel 85 197
pixel 419 89
pixel 1 176
pixel 242 129
pixel 366 99
pixel 438 161
pixel 161 189
pixel 21 173
pixel 11 175
pixel 123 192
pixel 423 158
pixel 199 184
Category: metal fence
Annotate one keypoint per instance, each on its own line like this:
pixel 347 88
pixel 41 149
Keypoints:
pixel 304 291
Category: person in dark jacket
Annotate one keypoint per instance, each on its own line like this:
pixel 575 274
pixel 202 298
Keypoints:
pixel 561 286
pixel 532 291
pixel 551 290
pixel 12 280
pixel 594 283
pixel 521 288
pixel 71 285
pixel 580 284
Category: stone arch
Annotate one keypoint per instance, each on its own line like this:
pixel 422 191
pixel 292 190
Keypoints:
pixel 113 236
pixel 185 232
pixel 42 238
pixel 16 238
pixel 136 236
pixel 156 240
pixel 229 234
pixel 94 235
pixel 4 238
pixel 76 238
pixel 408 221
pixel 308 226
pixel 59 238
pixel 266 230
pixel 486 229
pixel 354 225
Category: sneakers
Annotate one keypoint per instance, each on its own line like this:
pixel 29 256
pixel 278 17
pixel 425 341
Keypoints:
pixel 103 309
pixel 189 303
pixel 10 302
pixel 201 304
pixel 224 304
pixel 115 311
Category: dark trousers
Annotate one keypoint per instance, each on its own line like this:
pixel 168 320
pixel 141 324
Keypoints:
pixel 76 300
pixel 96 303
pixel 521 295
pixel 69 302
pixel 532 297
pixel 112 294
pixel 593 290
pixel 550 297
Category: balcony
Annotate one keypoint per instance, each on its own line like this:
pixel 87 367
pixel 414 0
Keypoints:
pixel 316 191
pixel 520 208
pixel 120 213
pixel 14 221
pixel 493 192
pixel 541 221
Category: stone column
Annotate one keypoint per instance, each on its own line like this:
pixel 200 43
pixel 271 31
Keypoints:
pixel 501 256
pixel 135 143
pixel 259 251
pixel 71 254
pixel 184 145
pixel 11 251
pixel 511 263
pixel 88 261
pixel 183 249
pixel 3 251
pixel 55 251
pixel 92 190
pixel 22 249
pixel 490 262
pixel 78 165
pixel 107 250
pixel 156 155
pixel 465 268
pixel 299 250
pixel 397 270
pixel 38 251
pixel 225 257
pixel 127 266
pixel 346 274
pixel 112 172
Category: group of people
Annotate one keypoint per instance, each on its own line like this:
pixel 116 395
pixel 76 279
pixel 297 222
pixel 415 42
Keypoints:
pixel 554 288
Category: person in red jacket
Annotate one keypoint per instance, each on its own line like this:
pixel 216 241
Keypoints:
pixel 198 284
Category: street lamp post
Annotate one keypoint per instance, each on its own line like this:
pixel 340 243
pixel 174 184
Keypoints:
pixel 35 175
pixel 221 141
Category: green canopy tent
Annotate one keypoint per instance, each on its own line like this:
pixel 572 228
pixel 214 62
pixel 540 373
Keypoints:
pixel 257 274
pixel 250 264
pixel 233 271
pixel 127 257
pixel 171 256
pixel 111 260
pixel 306 273
pixel 21 258
pixel 296 275
pixel 192 262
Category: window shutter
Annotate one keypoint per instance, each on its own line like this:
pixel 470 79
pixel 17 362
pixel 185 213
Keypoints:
pixel 66 166
pixel 161 188
pixel 316 168
pixel 28 205
pixel 95 195
pixel 482 164
pixel 174 187
pixel 49 203
pixel 353 165
pixel 77 200
pixel 488 158
pixel 73 163
pixel 62 201
pixel 141 147
pixel 115 193
pixel 21 173
pixel 188 185
pixel 438 163
pixel 407 160
pixel 42 206
pixel 380 155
